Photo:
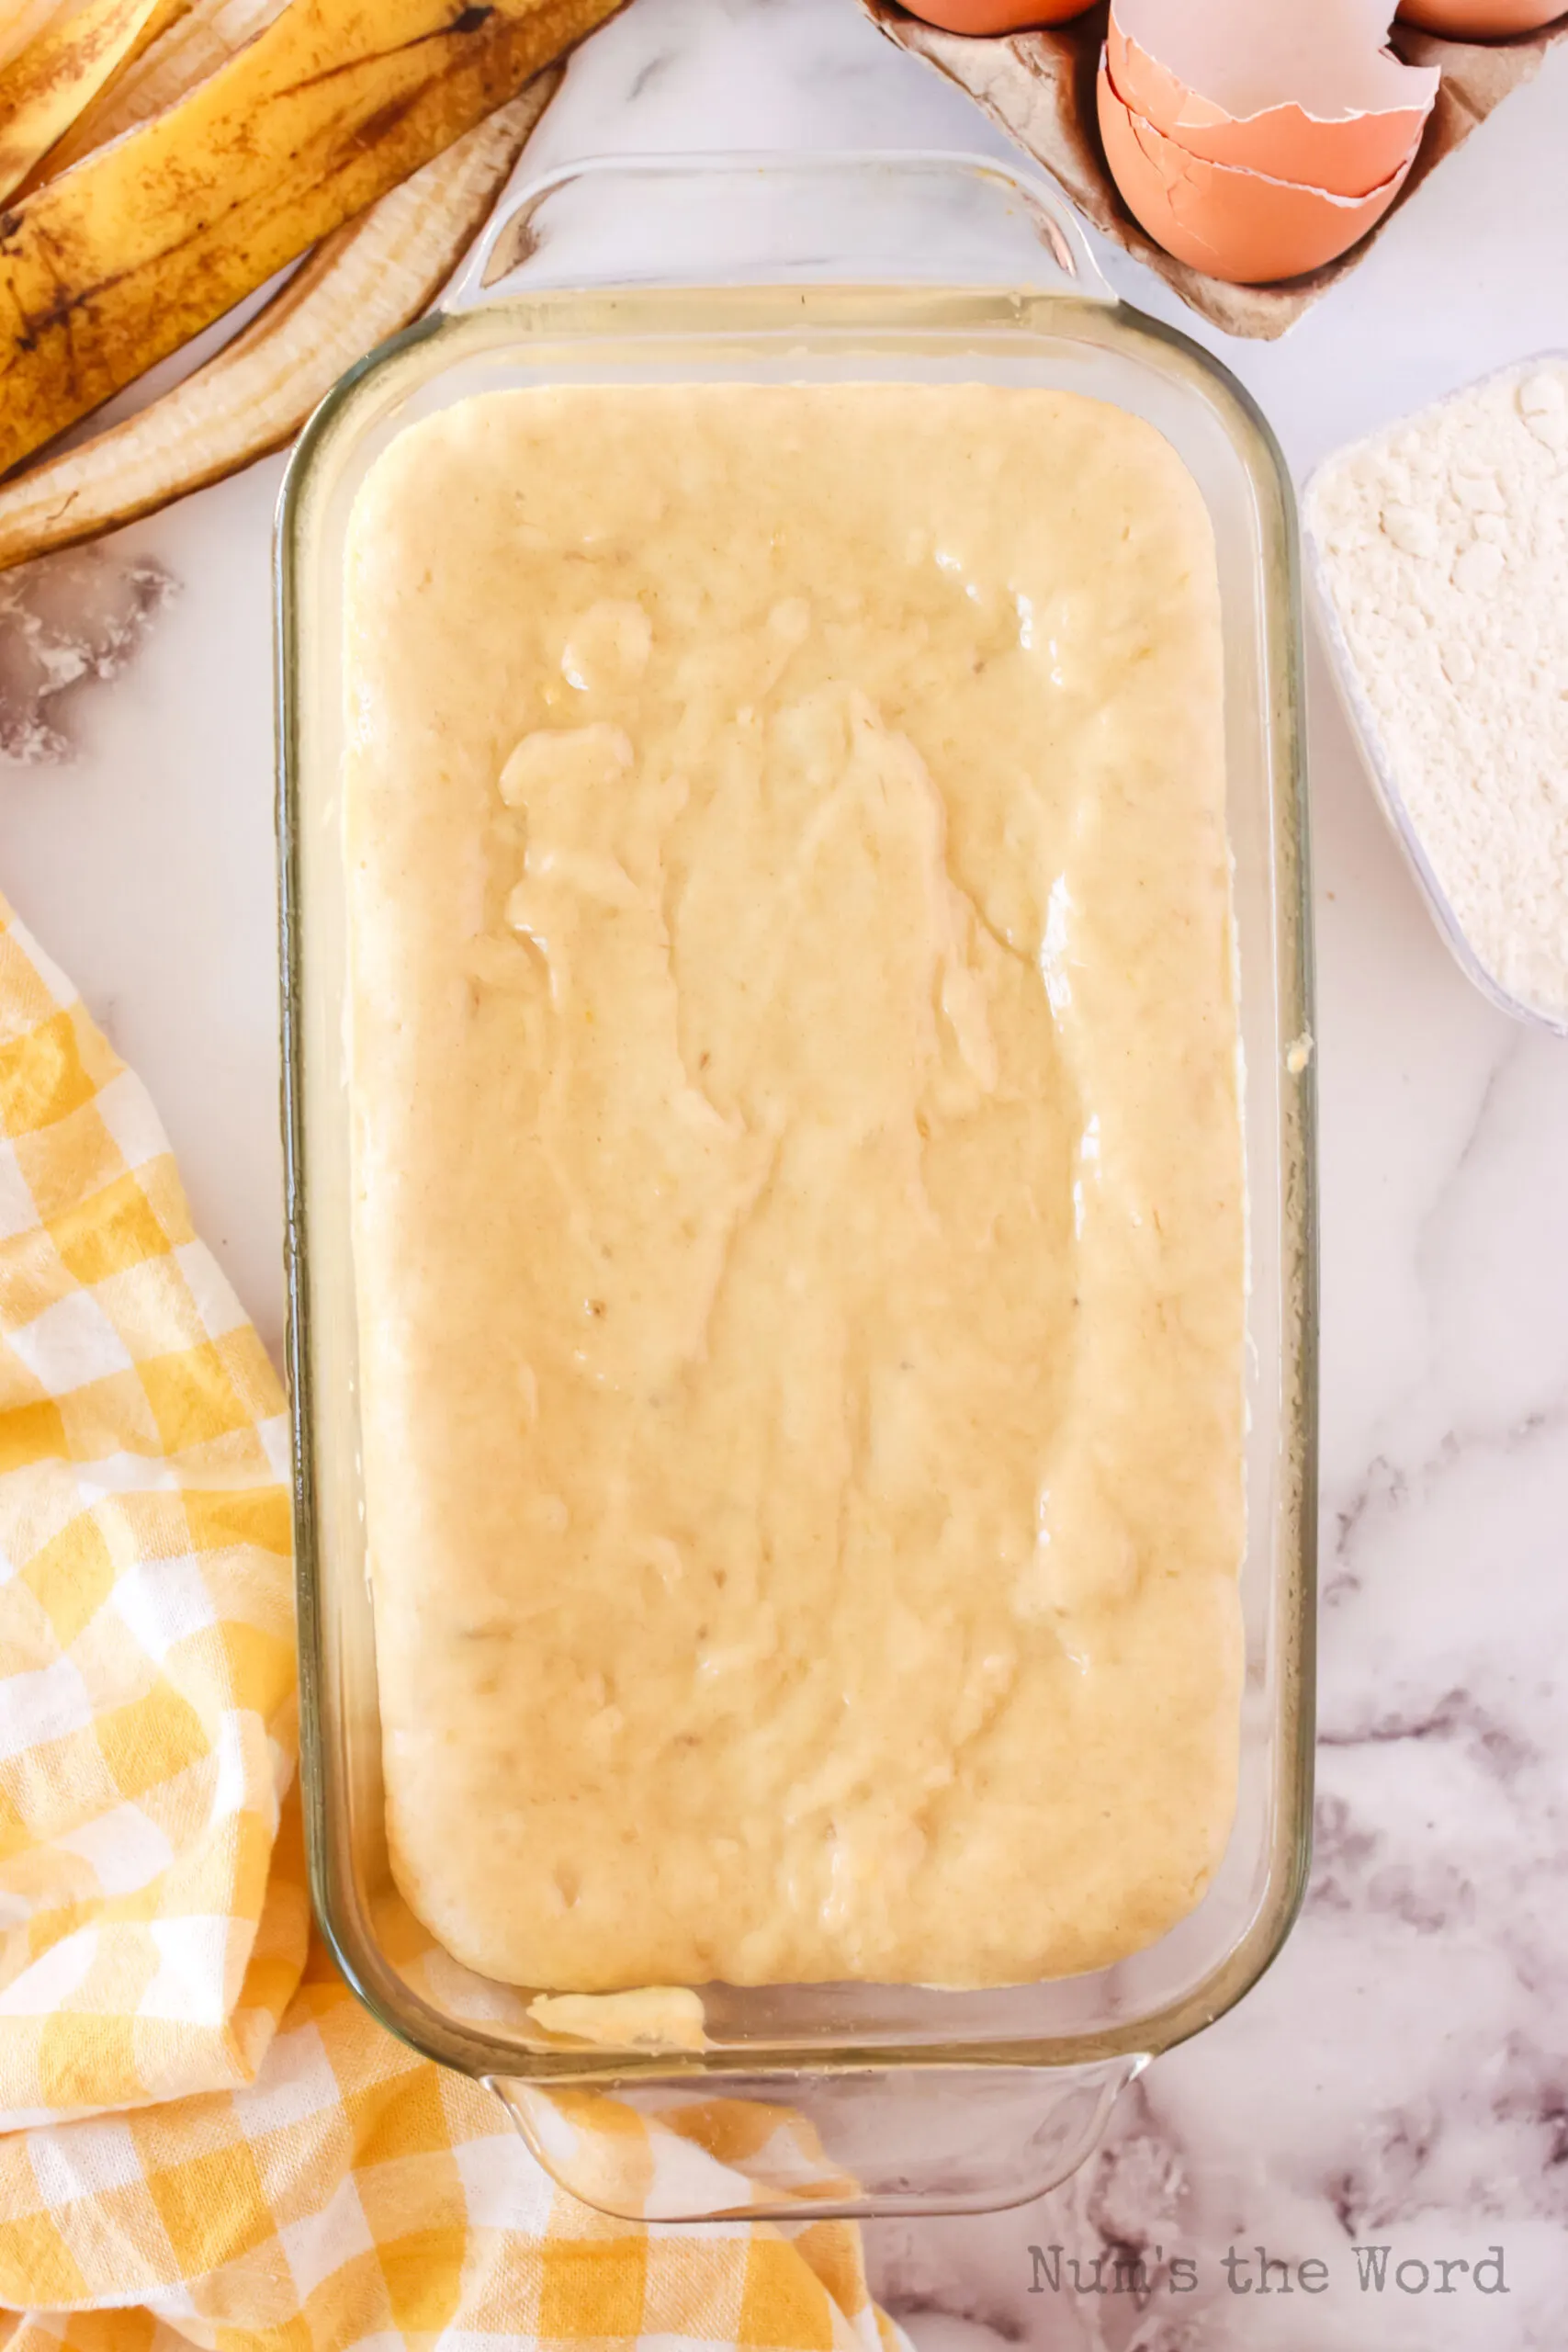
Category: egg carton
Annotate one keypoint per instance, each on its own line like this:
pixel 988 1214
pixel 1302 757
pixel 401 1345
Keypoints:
pixel 1040 88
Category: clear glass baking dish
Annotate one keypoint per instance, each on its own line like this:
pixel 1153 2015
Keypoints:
pixel 827 2098
pixel 1369 732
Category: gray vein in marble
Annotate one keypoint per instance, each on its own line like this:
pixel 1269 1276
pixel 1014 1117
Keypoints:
pixel 1456 1715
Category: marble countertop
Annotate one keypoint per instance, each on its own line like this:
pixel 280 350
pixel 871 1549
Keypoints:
pixel 1401 2078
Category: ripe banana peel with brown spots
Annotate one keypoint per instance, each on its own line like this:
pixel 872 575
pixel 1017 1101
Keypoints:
pixel 184 41
pixel 45 86
pixel 111 267
pixel 359 286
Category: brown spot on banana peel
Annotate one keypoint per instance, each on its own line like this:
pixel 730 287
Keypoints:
pixel 381 126
pixel 98 290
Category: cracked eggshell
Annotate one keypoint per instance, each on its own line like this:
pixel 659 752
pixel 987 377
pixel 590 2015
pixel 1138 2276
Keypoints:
pixel 995 16
pixel 1480 19
pixel 1241 226
pixel 1304 94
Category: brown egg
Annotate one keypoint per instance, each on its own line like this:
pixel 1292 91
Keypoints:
pixel 1479 19
pixel 1244 226
pixel 995 16
pixel 1348 153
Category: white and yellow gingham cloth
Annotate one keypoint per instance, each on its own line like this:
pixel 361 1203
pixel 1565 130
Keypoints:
pixel 204 2137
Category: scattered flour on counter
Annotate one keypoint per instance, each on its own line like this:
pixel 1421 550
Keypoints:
pixel 65 620
pixel 1443 543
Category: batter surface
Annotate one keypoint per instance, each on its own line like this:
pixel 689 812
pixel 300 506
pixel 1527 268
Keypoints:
pixel 799 1226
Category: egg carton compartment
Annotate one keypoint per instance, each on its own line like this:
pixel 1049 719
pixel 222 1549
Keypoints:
pixel 1040 88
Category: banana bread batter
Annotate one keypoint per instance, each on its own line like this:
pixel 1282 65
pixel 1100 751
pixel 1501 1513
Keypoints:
pixel 798 1181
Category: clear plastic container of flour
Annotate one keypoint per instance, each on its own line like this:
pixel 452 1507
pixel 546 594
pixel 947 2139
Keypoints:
pixel 1363 722
pixel 809 2099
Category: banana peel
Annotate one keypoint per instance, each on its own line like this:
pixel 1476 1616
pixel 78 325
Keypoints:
pixel 164 14
pixel 147 241
pixel 46 86
pixel 23 22
pixel 184 41
pixel 362 284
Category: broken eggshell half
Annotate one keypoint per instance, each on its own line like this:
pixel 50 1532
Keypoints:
pixel 1246 227
pixel 1305 94
pixel 995 16
pixel 1480 19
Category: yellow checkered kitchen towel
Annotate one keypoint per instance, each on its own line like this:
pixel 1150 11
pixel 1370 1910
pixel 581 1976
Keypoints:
pixel 204 2137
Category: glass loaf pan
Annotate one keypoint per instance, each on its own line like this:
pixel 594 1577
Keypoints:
pixel 866 2099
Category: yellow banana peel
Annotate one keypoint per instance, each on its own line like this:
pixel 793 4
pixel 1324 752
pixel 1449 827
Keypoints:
pixel 360 286
pixel 23 20
pixel 184 41
pixel 49 81
pixel 119 260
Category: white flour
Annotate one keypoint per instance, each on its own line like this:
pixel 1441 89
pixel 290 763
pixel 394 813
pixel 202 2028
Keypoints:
pixel 1444 550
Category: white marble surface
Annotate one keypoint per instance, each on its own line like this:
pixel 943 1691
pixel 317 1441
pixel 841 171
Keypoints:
pixel 1401 2076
